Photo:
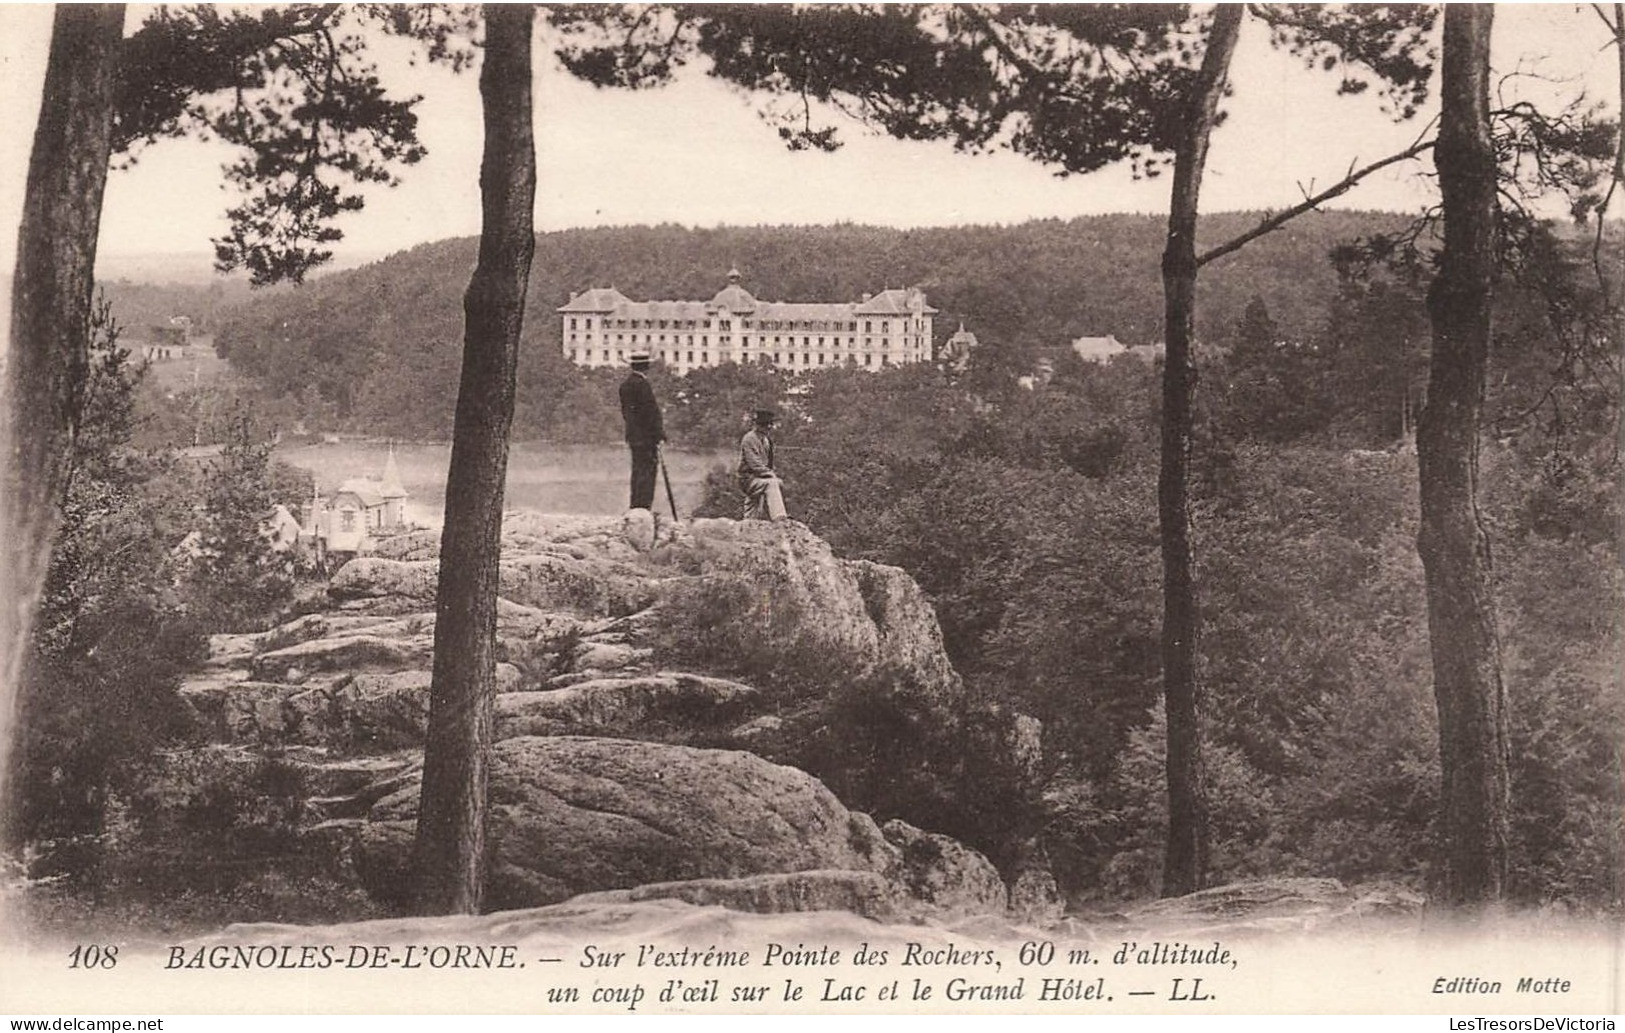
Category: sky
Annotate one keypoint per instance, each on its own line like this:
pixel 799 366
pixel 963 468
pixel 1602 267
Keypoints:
pixel 696 153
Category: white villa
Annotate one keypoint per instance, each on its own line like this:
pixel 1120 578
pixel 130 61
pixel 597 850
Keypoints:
pixel 344 525
pixel 603 327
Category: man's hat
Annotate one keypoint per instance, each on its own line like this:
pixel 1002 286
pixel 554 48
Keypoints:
pixel 764 417
pixel 639 355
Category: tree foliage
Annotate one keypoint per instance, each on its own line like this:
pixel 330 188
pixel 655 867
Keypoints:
pixel 1322 752
pixel 291 86
pixel 236 580
pixel 112 633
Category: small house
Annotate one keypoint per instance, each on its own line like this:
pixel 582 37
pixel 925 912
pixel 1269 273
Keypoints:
pixel 362 508
pixel 956 351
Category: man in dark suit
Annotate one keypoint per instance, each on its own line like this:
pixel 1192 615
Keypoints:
pixel 644 430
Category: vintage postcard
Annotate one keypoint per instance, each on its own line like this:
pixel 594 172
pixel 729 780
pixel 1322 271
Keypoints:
pixel 715 510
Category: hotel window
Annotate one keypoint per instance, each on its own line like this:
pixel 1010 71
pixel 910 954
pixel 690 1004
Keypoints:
pixel 572 322
pixel 690 356
pixel 705 357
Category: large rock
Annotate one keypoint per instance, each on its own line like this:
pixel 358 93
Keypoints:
pixel 546 581
pixel 943 873
pixel 906 629
pixel 639 527
pixel 866 614
pixel 414 545
pixel 372 577
pixel 644 706
pixel 362 713
pixel 238 711
pixel 351 653
pixel 572 815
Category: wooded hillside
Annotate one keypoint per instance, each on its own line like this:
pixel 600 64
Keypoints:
pixel 375 349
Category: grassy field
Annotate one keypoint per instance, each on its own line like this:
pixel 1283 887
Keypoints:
pixel 200 366
pixel 541 478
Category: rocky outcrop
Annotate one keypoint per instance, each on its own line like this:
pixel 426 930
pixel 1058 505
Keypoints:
pixel 573 814
pixel 871 615
pixel 617 768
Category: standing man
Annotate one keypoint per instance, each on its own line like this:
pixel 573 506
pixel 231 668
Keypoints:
pixel 764 494
pixel 644 430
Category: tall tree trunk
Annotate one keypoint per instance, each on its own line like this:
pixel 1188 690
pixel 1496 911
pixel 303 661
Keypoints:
pixel 47 362
pixel 1185 861
pixel 1452 542
pixel 450 847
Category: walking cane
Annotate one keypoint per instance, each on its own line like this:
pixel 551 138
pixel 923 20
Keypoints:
pixel 666 476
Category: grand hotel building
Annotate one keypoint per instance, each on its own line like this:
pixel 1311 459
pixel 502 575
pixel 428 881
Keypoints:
pixel 602 327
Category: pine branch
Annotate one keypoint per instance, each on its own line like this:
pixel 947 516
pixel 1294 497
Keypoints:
pixel 1308 204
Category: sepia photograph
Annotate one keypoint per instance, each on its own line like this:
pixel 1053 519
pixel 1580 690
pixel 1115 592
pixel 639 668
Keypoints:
pixel 816 509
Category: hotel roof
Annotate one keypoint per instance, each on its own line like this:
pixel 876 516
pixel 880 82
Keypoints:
pixel 736 299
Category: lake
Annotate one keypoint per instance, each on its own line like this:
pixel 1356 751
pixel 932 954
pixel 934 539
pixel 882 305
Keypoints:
pixel 586 479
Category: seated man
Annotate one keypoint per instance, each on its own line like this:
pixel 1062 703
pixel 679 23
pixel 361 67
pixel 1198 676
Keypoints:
pixel 764 496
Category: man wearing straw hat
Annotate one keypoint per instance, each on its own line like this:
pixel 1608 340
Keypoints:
pixel 644 430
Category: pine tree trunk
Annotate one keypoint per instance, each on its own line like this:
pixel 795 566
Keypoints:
pixel 1452 542
pixel 450 847
pixel 48 360
pixel 1185 861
